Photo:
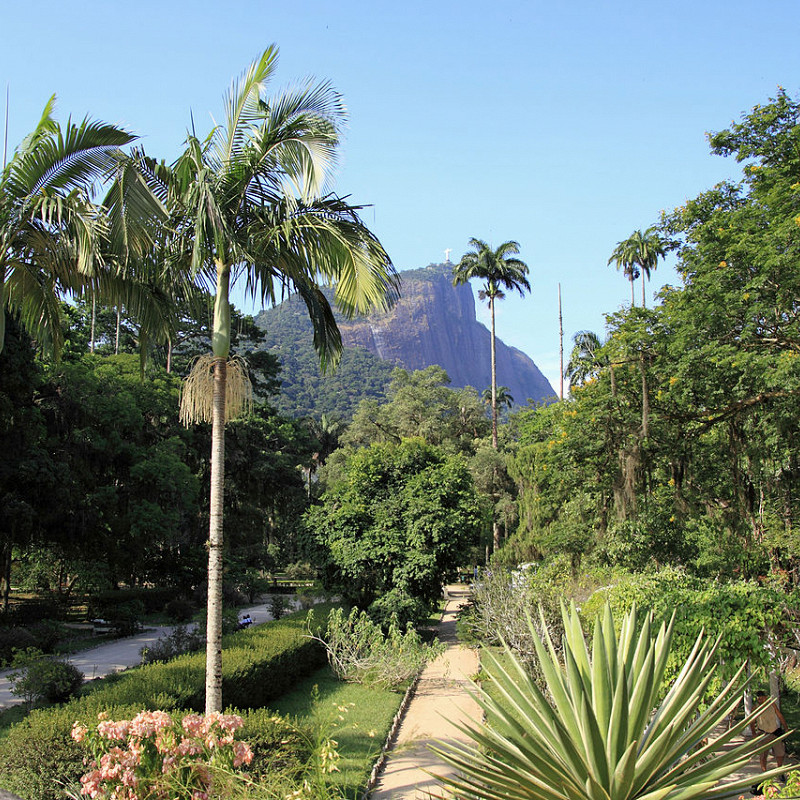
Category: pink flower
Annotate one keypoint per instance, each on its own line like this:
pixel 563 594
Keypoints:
pixel 78 732
pixel 242 754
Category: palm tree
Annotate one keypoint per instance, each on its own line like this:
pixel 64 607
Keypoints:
pixel 500 270
pixel 250 204
pixel 585 361
pixel 54 239
pixel 503 397
pixel 638 255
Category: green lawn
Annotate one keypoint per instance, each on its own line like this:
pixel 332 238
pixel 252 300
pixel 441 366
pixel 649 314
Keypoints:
pixel 356 717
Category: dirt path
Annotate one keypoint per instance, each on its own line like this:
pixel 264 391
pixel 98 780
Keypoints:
pixel 440 702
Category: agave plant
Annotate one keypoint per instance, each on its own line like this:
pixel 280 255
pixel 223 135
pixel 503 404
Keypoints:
pixel 599 732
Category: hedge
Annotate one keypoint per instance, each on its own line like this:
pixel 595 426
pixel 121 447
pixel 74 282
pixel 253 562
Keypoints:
pixel 258 664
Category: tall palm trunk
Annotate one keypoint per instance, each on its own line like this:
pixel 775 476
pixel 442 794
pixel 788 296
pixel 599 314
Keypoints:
pixel 220 344
pixel 215 542
pixel 495 525
pixel 644 279
pixel 633 300
pixel 494 378
pixel 94 315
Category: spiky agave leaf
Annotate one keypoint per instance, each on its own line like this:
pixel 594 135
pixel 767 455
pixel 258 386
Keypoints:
pixel 197 395
pixel 599 732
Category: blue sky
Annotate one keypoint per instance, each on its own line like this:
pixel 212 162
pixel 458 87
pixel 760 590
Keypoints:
pixel 564 126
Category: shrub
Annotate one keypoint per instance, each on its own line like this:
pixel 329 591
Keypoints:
pixel 58 760
pixel 278 605
pixel 259 665
pixel 359 651
pixel 12 639
pixel 48 633
pixel 152 601
pixel 602 727
pixel 181 640
pixel 180 609
pixel 400 606
pixel 162 756
pixel 300 571
pixel 126 618
pixel 39 677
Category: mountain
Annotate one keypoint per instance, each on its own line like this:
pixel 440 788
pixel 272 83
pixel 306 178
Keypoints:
pixel 434 322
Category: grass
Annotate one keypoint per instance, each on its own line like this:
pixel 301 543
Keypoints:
pixel 358 718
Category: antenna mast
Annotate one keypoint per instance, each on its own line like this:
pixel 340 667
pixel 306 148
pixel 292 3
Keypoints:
pixel 5 133
pixel 561 345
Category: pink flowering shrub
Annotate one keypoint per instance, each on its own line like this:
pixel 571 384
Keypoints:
pixel 154 757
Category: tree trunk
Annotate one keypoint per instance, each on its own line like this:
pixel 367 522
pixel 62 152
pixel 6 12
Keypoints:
pixel 645 399
pixel 169 356
pixel 633 301
pixel 494 379
pixel 94 314
pixel 116 339
pixel 215 541
pixel 220 347
pixel 6 575
pixel 644 302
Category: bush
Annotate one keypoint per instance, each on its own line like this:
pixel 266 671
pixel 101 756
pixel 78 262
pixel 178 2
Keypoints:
pixel 179 609
pixel 58 761
pixel 300 571
pixel 181 640
pixel 278 605
pixel 12 639
pixel 29 611
pixel 400 606
pixel 151 601
pixel 41 678
pixel 48 633
pixel 360 652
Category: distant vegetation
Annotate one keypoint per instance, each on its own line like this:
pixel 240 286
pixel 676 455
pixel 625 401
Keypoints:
pixel 305 390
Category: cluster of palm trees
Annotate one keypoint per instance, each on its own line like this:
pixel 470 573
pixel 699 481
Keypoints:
pixel 638 256
pixel 249 202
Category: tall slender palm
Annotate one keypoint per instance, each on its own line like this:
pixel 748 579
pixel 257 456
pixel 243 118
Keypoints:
pixel 53 237
pixel 499 270
pixel 638 255
pixel 252 205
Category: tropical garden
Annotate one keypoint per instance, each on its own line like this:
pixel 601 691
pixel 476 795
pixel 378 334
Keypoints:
pixel 635 541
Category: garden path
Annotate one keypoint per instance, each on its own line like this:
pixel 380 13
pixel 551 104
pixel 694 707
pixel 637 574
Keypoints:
pixel 440 703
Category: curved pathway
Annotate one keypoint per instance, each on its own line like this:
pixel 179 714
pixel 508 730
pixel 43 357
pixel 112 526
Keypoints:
pixel 96 662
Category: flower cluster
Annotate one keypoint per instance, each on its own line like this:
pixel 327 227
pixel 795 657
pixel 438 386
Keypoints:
pixel 154 756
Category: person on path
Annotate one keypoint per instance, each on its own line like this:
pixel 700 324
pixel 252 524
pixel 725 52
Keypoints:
pixel 771 723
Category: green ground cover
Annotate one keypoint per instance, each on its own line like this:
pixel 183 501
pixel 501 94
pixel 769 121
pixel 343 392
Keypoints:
pixel 356 717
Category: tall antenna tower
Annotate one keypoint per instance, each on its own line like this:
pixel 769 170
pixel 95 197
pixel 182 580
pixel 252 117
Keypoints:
pixel 561 345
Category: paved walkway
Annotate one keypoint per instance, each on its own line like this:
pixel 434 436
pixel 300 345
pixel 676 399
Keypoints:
pixel 440 702
pixel 120 654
